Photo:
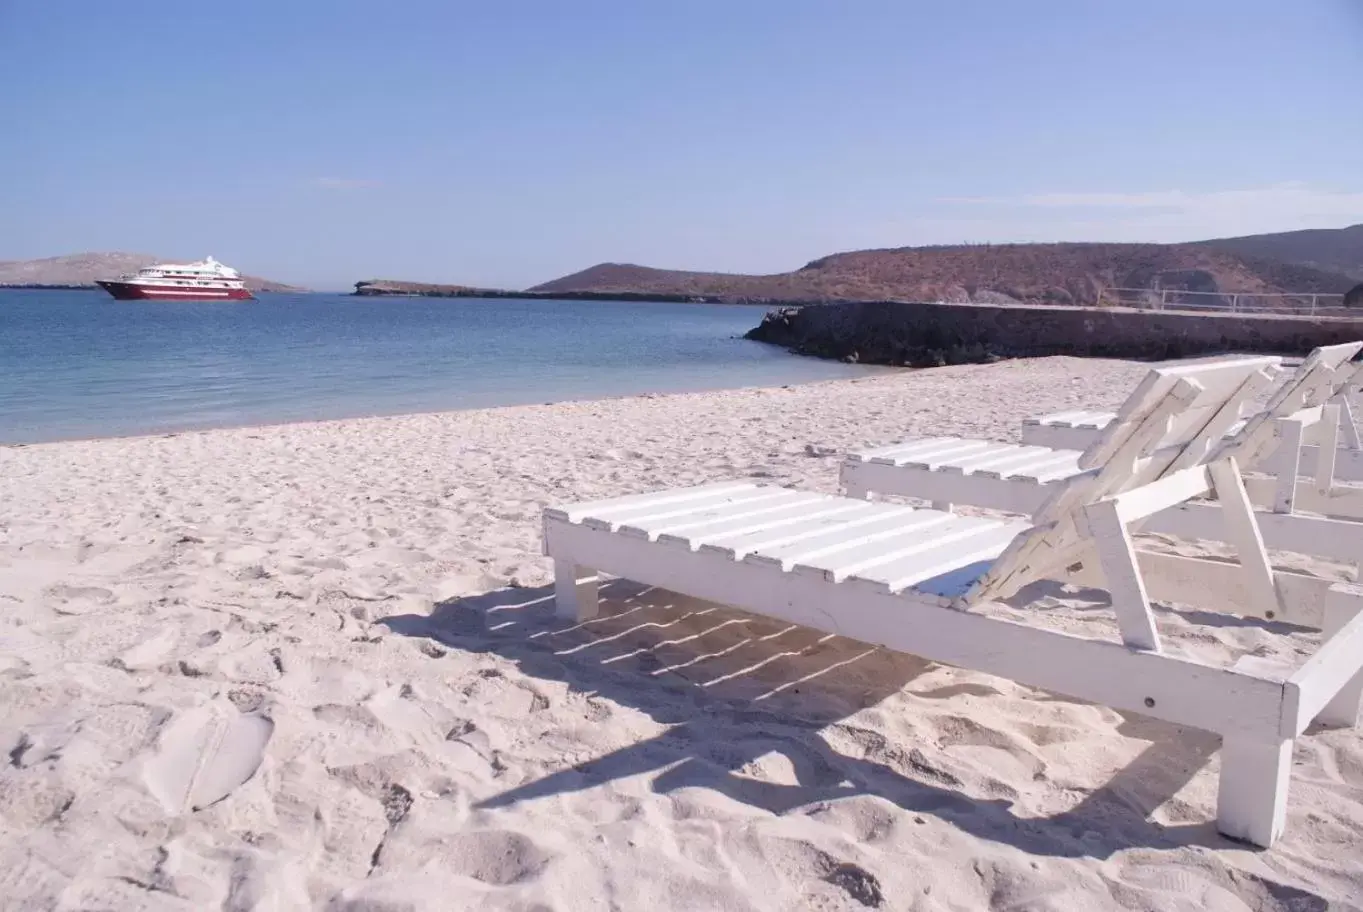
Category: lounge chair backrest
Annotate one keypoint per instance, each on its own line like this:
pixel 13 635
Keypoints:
pixel 1323 374
pixel 1174 420
pixel 1218 382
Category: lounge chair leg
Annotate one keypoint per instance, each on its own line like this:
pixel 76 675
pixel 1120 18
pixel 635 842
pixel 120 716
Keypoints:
pixel 575 591
pixel 1251 801
pixel 1290 432
pixel 1347 426
pixel 1343 710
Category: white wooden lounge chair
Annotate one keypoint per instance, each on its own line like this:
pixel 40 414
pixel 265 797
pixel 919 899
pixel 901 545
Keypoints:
pixel 1076 429
pixel 918 580
pixel 1020 478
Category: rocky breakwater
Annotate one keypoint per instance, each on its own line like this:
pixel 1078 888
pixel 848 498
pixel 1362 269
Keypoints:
pixel 930 335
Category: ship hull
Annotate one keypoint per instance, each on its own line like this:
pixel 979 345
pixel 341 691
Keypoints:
pixel 139 291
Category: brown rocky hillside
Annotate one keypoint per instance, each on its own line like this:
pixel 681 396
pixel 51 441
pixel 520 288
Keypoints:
pixel 1032 273
pixel 86 268
pixel 1329 249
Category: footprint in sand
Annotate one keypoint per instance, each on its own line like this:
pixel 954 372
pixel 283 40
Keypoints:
pixel 256 663
pixel 65 599
pixel 204 754
pixel 13 666
pixel 151 652
pixel 498 857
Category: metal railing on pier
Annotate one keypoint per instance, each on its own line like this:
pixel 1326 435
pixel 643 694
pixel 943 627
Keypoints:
pixel 1225 302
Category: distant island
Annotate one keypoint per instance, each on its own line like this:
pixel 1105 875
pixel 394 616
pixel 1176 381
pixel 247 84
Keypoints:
pixel 393 288
pixel 1320 261
pixel 47 286
pixel 81 270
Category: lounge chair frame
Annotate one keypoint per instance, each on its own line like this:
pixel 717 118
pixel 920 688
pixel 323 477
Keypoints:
pixel 1291 443
pixel 1077 429
pixel 732 544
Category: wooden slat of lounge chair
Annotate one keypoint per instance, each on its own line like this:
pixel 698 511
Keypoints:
pixel 913 447
pixel 936 460
pixel 1004 454
pixel 945 455
pixel 760 503
pixel 1073 419
pixel 936 451
pixel 575 512
pixel 842 563
pixel 773 517
pixel 1069 418
pixel 885 523
pixel 1062 465
pixel 1043 460
pixel 636 513
pixel 943 562
pixel 867 519
pixel 1095 420
pixel 1061 437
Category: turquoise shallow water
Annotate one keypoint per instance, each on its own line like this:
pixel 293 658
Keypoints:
pixel 79 364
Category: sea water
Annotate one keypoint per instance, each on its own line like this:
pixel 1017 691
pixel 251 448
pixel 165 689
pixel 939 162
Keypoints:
pixel 79 364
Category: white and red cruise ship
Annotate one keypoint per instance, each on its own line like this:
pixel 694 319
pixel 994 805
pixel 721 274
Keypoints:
pixel 205 281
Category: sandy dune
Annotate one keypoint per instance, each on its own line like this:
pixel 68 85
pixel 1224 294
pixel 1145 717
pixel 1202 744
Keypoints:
pixel 316 667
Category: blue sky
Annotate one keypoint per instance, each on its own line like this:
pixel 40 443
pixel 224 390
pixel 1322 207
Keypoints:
pixel 325 141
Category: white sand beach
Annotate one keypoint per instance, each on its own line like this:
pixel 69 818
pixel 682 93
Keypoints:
pixel 315 666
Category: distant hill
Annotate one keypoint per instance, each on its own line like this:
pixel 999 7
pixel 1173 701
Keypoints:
pixel 988 273
pixel 397 288
pixel 85 268
pixel 1330 249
